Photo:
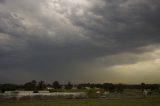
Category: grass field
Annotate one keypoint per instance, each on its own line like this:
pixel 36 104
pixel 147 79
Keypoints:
pixel 154 101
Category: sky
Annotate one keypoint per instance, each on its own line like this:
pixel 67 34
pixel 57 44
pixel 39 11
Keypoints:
pixel 81 41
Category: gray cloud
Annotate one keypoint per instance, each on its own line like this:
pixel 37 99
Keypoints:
pixel 58 38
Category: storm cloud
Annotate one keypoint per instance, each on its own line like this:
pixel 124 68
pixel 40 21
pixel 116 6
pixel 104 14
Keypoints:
pixel 80 40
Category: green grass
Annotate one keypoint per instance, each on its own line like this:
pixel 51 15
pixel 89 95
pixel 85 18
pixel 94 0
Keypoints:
pixel 88 102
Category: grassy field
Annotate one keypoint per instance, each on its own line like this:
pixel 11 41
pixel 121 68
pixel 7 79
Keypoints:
pixel 154 101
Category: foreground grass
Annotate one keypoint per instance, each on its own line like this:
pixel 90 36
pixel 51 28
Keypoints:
pixel 88 102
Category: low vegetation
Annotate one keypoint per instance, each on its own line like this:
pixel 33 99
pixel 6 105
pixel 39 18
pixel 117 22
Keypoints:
pixel 88 102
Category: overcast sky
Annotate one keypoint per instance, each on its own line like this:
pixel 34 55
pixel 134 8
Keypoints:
pixel 80 41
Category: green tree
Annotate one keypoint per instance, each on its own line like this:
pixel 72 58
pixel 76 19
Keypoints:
pixel 56 85
pixel 119 88
pixel 41 85
pixel 143 85
pixel 69 86
pixel 109 87
pixel 30 85
pixel 154 87
pixel 8 87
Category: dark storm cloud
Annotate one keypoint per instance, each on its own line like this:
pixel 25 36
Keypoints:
pixel 125 22
pixel 50 36
pixel 2 1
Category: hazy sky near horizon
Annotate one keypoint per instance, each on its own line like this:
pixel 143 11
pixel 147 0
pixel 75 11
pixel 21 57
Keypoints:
pixel 80 41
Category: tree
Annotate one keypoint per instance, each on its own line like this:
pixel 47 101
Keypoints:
pixel 143 85
pixel 30 85
pixel 154 87
pixel 119 88
pixel 56 85
pixel 109 87
pixel 69 86
pixel 8 87
pixel 41 85
pixel 79 86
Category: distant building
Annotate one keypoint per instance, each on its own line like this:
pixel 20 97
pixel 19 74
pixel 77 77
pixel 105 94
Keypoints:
pixel 88 88
pixel 50 88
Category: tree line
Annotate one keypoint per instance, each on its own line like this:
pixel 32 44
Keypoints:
pixel 41 85
pixel 34 86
